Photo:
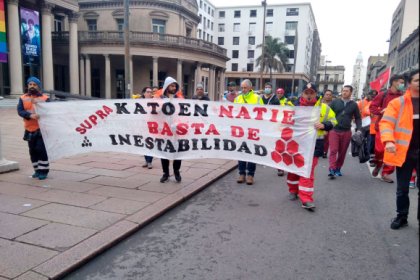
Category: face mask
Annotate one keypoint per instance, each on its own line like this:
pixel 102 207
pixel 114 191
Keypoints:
pixel 267 90
pixel 401 87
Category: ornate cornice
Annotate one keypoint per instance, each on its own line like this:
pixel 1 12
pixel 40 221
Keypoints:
pixel 153 4
pixel 73 17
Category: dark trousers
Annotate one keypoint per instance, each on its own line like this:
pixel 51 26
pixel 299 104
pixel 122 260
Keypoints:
pixel 165 166
pixel 339 143
pixel 326 142
pixel 38 154
pixel 244 166
pixel 403 180
pixel 148 159
pixel 371 144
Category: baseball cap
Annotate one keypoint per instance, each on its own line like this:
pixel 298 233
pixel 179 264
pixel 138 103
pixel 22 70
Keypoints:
pixel 232 84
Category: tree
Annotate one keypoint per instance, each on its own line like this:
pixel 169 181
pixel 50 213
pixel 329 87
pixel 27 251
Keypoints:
pixel 276 55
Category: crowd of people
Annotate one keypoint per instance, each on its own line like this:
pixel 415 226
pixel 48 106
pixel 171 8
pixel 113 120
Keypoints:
pixel 388 120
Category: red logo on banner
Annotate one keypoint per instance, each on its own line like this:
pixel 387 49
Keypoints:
pixel 286 150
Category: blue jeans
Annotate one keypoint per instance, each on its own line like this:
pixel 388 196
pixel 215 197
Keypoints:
pixel 244 166
pixel 148 159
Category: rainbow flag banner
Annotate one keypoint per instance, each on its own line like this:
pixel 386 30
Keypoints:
pixel 3 37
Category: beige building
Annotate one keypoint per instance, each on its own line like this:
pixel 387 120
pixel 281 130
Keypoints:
pixel 83 47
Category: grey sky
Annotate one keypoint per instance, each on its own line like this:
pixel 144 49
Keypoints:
pixel 345 27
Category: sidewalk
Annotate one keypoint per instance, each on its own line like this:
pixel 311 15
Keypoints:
pixel 88 203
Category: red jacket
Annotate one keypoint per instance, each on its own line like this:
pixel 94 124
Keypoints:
pixel 379 103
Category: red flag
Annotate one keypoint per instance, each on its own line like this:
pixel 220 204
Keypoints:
pixel 381 81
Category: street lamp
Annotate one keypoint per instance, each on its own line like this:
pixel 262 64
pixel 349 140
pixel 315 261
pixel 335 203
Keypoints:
pixel 264 4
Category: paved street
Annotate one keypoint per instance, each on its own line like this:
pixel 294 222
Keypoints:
pixel 231 231
pixel 88 203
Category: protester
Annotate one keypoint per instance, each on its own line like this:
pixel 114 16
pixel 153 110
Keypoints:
pixel 232 93
pixel 372 131
pixel 247 97
pixel 154 90
pixel 169 90
pixel 377 107
pixel 26 110
pixel 268 96
pixel 199 93
pixel 327 99
pixel 399 130
pixel 282 99
pixel 147 93
pixel 363 106
pixel 345 110
pixel 300 186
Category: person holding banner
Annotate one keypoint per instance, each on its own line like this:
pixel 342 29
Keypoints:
pixel 199 93
pixel 247 96
pixel 147 92
pixel 26 110
pixel 399 130
pixel 377 107
pixel 300 186
pixel 170 90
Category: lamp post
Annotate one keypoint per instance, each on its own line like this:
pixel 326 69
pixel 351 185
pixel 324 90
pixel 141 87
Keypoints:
pixel 325 72
pixel 127 50
pixel 264 4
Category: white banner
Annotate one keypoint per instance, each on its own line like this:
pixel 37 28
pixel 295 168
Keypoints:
pixel 278 136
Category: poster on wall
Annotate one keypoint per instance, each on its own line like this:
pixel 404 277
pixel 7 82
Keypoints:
pixel 30 36
pixel 3 35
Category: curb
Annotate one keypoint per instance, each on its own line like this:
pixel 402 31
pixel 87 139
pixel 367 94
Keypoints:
pixel 66 262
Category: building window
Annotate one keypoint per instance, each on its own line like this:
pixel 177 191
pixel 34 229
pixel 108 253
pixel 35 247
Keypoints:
pixel 221 27
pixel 221 14
pixel 201 18
pixel 188 32
pixel 235 40
pixel 290 40
pixel 91 23
pixel 236 27
pixel 120 24
pixel 205 6
pixel 291 53
pixel 58 23
pixel 208 10
pixel 235 54
pixel 291 25
pixel 292 12
pixel 251 40
pixel 211 38
pixel 212 13
pixel 208 37
pixel 268 27
pixel 204 35
pixel 237 14
pixel 208 23
pixel 252 27
pixel 253 13
pixel 269 12
pixel 234 67
pixel 250 67
pixel 158 26
pixel 250 53
pixel 199 33
pixel 220 41
pixel 212 26
pixel 201 3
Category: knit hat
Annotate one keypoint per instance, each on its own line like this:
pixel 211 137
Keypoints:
pixel 34 80
pixel 199 85
pixel 312 87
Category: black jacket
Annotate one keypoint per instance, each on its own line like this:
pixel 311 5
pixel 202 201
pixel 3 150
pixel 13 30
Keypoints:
pixel 345 115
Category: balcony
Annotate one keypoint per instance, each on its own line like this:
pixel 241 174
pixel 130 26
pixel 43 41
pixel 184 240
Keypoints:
pixel 140 39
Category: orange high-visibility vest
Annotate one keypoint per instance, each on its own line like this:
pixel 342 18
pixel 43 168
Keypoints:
pixel 396 126
pixel 373 120
pixel 364 108
pixel 28 101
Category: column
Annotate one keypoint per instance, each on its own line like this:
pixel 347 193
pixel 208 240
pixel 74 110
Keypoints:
pixel 74 54
pixel 197 74
pixel 211 88
pixel 82 76
pixel 88 76
pixel 107 77
pixel 222 83
pixel 47 57
pixel 15 58
pixel 155 71
pixel 179 73
pixel 131 89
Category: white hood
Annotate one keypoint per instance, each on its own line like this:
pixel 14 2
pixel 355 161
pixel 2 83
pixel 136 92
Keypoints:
pixel 168 81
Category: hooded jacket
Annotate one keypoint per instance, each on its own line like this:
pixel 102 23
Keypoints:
pixel 168 81
pixel 380 102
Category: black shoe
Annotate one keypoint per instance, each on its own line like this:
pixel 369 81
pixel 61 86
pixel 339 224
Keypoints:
pixel 308 206
pixel 399 222
pixel 331 174
pixel 324 155
pixel 165 178
pixel 178 177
